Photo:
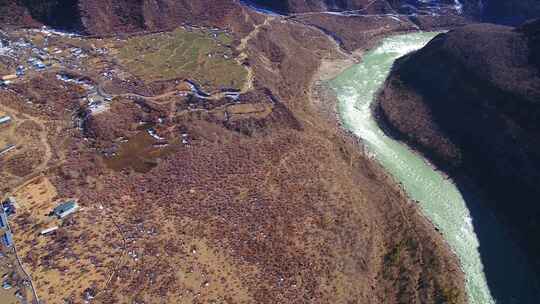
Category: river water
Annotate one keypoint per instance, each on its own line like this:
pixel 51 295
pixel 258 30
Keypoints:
pixel 439 198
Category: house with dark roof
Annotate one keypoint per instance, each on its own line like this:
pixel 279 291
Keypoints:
pixel 65 209
pixel 9 206
pixel 7 239
pixel 3 220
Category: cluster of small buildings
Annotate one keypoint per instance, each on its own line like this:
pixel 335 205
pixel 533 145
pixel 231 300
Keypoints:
pixel 77 52
pixel 16 49
pixel 38 58
pixel 37 63
pixel 61 211
pixel 73 79
pixel 95 101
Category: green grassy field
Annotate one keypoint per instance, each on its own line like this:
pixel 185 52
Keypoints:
pixel 197 55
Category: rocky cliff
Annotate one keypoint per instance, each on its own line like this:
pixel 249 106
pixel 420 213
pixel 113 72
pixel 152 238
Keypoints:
pixel 470 100
pixel 108 16
pixel 266 200
pixel 303 6
pixel 509 12
pixel 103 17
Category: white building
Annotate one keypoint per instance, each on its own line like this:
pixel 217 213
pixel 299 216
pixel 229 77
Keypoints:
pixel 65 209
pixel 4 119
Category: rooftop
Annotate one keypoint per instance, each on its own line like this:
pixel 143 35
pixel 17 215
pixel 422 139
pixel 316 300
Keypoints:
pixel 65 208
pixel 5 119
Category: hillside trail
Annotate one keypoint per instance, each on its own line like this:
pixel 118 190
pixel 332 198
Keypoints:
pixel 355 12
pixel 156 98
pixel 44 143
pixel 241 48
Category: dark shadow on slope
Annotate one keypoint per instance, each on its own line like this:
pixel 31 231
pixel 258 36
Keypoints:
pixel 509 272
pixel 510 276
pixel 510 12
pixel 59 14
pixel 278 6
pixel 496 128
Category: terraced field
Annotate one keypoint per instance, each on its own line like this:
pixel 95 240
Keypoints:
pixel 199 55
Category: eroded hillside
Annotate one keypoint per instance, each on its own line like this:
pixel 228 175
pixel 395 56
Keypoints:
pixel 103 17
pixel 198 188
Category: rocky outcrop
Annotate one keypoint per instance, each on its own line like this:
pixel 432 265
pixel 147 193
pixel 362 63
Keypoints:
pixel 299 214
pixel 304 6
pixel 506 12
pixel 470 100
pixel 509 12
pixel 107 16
pixel 102 17
pixel 12 13
pixel 55 13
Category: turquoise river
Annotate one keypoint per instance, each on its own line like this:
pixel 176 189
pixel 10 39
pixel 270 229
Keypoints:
pixel 439 198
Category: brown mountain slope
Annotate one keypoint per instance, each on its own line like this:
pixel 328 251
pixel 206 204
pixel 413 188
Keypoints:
pixel 103 17
pixel 470 100
pixel 106 16
pixel 267 202
pixel 510 12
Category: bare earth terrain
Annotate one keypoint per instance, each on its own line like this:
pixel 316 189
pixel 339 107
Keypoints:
pixel 209 167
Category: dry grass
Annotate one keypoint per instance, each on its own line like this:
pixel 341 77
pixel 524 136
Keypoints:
pixel 79 255
pixel 266 204
pixel 252 110
pixel 198 55
pixel 24 133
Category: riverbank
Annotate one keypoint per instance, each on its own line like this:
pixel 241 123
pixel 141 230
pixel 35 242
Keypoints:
pixel 488 152
pixel 325 100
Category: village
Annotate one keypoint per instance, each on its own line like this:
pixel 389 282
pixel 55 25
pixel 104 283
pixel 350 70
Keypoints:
pixel 61 94
pixel 33 195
